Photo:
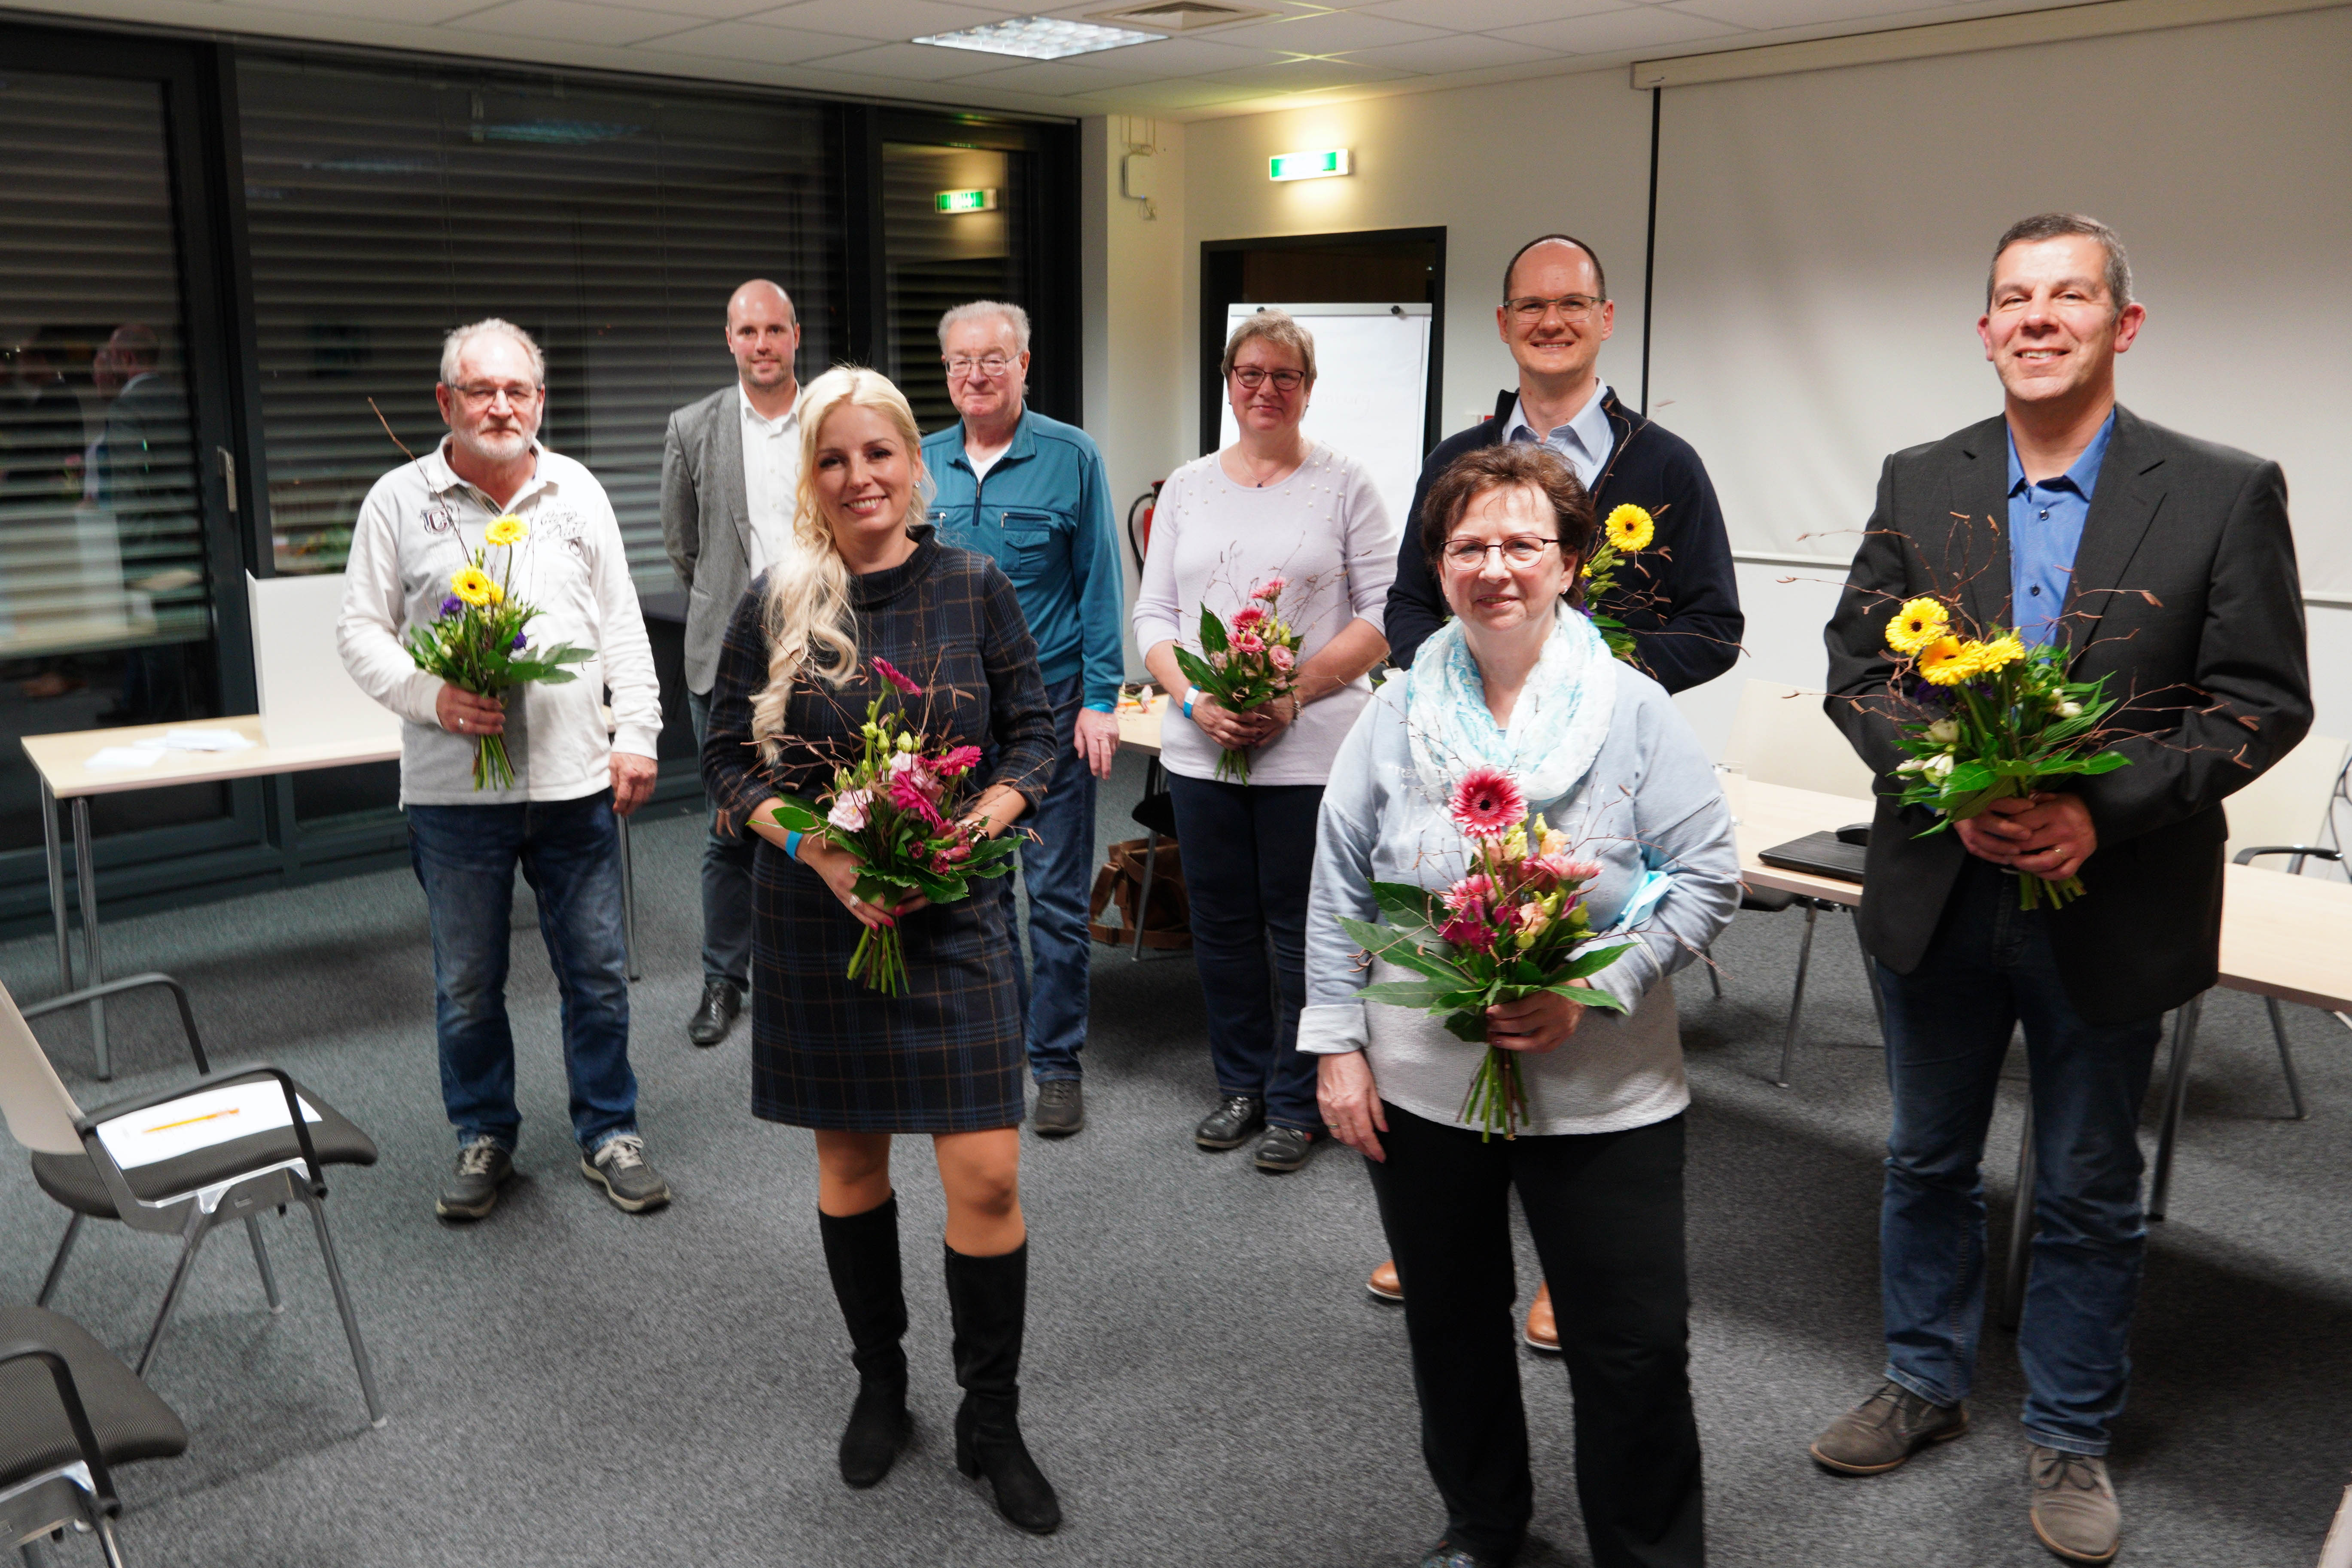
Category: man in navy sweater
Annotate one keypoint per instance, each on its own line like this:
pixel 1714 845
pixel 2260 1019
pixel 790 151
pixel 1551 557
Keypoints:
pixel 1678 595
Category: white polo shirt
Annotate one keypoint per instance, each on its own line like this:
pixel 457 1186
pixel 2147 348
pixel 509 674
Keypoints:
pixel 771 477
pixel 421 524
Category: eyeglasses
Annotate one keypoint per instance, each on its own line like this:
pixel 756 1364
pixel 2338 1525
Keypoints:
pixel 1469 554
pixel 989 365
pixel 516 396
pixel 1252 377
pixel 1531 309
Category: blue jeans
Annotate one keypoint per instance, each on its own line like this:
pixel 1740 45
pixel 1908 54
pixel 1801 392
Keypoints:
pixel 1248 853
pixel 726 882
pixel 1057 869
pixel 569 851
pixel 1989 968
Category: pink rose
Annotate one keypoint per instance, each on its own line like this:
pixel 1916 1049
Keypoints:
pixel 849 810
pixel 1478 885
pixel 1281 657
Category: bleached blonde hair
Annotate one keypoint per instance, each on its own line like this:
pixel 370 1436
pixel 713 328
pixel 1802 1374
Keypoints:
pixel 807 616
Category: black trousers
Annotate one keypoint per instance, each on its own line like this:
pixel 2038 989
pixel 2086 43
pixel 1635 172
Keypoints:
pixel 1606 1211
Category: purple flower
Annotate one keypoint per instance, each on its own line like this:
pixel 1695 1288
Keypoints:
pixel 452 605
pixel 521 638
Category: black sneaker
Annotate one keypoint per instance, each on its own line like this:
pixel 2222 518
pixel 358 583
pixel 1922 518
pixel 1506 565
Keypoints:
pixel 473 1187
pixel 1284 1149
pixel 619 1167
pixel 721 1001
pixel 1061 1108
pixel 1229 1126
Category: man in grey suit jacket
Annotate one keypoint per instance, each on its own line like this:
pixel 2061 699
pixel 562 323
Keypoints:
pixel 2165 565
pixel 730 469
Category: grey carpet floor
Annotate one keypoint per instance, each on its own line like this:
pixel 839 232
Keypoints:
pixel 1206 1381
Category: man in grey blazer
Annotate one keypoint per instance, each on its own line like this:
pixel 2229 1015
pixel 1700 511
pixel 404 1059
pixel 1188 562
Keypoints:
pixel 2164 563
pixel 731 467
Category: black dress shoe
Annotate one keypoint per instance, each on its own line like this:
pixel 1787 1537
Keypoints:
pixel 1061 1108
pixel 720 1002
pixel 1453 1554
pixel 1229 1126
pixel 1284 1149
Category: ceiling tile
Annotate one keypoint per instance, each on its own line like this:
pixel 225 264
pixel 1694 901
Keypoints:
pixel 886 21
pixel 1308 76
pixel 1797 12
pixel 1638 27
pixel 749 41
pixel 1455 52
pixel 1187 93
pixel 419 13
pixel 911 62
pixel 1329 33
pixel 571 22
pixel 1183 57
pixel 1061 77
pixel 1488 15
pixel 703 10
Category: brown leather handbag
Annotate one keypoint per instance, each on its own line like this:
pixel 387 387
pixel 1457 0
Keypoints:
pixel 1167 921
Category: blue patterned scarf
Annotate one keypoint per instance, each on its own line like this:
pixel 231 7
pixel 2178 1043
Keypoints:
pixel 1556 725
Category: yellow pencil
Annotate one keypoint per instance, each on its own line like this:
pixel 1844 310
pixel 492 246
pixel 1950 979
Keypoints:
pixel 190 1122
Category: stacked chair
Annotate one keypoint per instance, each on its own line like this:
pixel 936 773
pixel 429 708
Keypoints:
pixel 69 1413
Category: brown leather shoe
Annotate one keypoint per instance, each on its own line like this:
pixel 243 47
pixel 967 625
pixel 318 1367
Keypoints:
pixel 1885 1429
pixel 1385 1286
pixel 2073 1508
pixel 1543 1329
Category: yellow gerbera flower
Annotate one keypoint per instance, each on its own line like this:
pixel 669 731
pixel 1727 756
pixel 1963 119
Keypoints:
pixel 508 529
pixel 2000 653
pixel 1629 528
pixel 475 587
pixel 1917 624
pixel 1948 661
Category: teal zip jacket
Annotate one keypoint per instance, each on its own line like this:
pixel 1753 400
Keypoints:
pixel 1043 514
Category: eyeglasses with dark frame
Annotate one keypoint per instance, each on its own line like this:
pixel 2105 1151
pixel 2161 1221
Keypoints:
pixel 1530 309
pixel 1470 554
pixel 478 395
pixel 1253 376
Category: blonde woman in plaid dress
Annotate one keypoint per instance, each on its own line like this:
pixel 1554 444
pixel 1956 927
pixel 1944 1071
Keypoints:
pixel 794 677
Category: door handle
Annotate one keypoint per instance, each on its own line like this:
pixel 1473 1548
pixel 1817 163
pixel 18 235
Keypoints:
pixel 228 475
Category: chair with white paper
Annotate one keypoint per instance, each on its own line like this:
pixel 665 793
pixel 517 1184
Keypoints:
pixel 180 1161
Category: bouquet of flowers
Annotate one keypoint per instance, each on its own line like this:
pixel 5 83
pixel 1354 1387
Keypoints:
pixel 1989 718
pixel 1245 661
pixel 1626 531
pixel 476 643
pixel 894 809
pixel 1513 926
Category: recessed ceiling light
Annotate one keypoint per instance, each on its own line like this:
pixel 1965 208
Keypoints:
pixel 1040 38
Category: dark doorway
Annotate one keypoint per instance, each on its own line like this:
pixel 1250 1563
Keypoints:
pixel 1371 267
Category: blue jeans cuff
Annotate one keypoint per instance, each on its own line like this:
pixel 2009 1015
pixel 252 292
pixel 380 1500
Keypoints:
pixel 593 1150
pixel 1932 1395
pixel 2095 1449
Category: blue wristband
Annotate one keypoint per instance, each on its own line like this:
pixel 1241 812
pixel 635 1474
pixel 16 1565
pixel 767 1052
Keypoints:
pixel 792 845
pixel 1190 692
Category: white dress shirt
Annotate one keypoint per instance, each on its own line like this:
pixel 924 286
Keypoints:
pixel 1584 440
pixel 771 477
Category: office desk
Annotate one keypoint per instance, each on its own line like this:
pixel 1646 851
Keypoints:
pixel 60 761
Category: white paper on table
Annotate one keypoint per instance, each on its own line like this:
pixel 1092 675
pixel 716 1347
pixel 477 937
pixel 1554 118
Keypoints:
pixel 198 1121
pixel 122 757
pixel 197 741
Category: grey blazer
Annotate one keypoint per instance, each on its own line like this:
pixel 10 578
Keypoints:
pixel 2185 596
pixel 705 522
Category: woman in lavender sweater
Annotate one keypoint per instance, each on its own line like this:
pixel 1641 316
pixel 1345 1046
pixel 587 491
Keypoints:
pixel 1272 504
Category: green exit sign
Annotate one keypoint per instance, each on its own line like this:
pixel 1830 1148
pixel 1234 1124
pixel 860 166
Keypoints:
pixel 965 201
pixel 1309 165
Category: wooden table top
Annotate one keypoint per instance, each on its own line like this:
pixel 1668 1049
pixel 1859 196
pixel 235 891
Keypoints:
pixel 1138 729
pixel 1775 814
pixel 61 758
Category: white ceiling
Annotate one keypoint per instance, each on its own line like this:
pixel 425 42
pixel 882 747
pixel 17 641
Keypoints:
pixel 1307 51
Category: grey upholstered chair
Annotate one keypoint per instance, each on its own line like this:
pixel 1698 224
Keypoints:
pixel 69 1413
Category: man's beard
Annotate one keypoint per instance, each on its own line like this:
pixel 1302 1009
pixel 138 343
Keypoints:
pixel 496 446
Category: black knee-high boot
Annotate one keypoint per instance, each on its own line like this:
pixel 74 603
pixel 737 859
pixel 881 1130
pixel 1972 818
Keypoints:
pixel 862 1254
pixel 989 1298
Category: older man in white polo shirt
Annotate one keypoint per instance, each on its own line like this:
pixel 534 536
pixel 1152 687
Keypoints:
pixel 421 523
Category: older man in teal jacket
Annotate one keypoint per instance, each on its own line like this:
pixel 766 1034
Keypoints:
pixel 1030 493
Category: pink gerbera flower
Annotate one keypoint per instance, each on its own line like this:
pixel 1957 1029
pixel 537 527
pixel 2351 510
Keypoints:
pixel 1486 804
pixel 909 797
pixel 1271 589
pixel 1478 885
pixel 955 762
pixel 1249 642
pixel 891 673
pixel 1248 615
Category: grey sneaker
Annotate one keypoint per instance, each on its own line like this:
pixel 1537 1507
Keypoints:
pixel 619 1167
pixel 1061 1108
pixel 1885 1429
pixel 472 1190
pixel 2073 1508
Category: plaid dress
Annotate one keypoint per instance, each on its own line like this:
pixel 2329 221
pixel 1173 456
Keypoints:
pixel 826 1051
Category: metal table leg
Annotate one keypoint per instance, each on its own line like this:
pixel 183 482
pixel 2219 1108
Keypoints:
pixel 1143 896
pixel 86 875
pixel 2020 1225
pixel 1870 977
pixel 56 849
pixel 1797 1002
pixel 2176 1098
pixel 628 902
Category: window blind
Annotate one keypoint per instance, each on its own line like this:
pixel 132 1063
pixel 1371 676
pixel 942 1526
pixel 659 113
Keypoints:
pixel 388 203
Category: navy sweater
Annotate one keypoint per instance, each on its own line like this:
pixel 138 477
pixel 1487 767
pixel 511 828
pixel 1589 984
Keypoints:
pixel 1679 598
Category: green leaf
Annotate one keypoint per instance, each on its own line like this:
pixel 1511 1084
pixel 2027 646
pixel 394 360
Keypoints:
pixel 1471 1026
pixel 1591 996
pixel 798 816
pixel 2105 762
pixel 1968 776
pixel 1404 898
pixel 1591 961
pixel 1212 632
pixel 1399 949
pixel 1422 994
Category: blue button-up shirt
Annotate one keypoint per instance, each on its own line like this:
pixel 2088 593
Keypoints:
pixel 1584 440
pixel 2046 528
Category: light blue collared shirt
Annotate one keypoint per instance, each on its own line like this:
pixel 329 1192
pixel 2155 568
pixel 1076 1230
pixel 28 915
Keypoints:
pixel 1584 440
pixel 2046 528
